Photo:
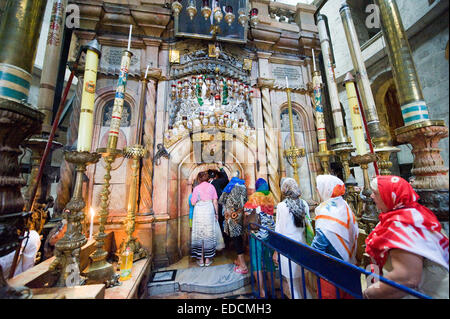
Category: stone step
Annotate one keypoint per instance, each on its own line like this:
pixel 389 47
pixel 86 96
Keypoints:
pixel 208 280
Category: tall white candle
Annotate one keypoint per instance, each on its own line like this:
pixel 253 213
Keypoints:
pixel 91 226
pixel 314 60
pixel 129 37
pixel 146 72
pixel 287 82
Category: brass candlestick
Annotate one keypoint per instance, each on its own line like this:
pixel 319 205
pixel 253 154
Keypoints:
pixel 136 152
pixel 353 199
pixel 344 156
pixel 370 213
pixel 293 152
pixel 67 249
pixel 101 271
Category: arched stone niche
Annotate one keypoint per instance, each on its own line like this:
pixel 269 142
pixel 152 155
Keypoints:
pixel 183 168
pixel 305 137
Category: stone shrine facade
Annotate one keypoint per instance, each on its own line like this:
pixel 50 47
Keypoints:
pixel 207 107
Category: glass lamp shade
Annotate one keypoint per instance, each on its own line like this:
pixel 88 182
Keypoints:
pixel 229 16
pixel 218 15
pixel 242 18
pixel 206 10
pixel 176 7
pixel 191 9
pixel 254 16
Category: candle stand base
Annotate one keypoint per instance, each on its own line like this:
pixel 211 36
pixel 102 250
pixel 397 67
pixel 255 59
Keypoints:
pixel 67 249
pixel 369 217
pixel 136 152
pixel 100 271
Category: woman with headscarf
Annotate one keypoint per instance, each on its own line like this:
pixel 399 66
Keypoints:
pixel 261 203
pixel 204 238
pixel 233 198
pixel 191 207
pixel 336 226
pixel 219 182
pixel 290 222
pixel 407 243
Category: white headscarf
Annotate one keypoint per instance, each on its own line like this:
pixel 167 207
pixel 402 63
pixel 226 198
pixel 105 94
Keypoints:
pixel 326 185
pixel 335 218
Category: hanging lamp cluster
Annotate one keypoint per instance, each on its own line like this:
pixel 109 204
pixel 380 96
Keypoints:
pixel 217 10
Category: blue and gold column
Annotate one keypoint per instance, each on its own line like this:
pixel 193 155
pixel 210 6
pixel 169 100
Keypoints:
pixel 431 176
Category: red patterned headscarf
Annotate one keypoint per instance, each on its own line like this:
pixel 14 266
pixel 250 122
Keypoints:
pixel 406 225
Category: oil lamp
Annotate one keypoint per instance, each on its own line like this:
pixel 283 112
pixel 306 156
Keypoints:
pixel 206 10
pixel 229 15
pixel 176 7
pixel 192 9
pixel 254 16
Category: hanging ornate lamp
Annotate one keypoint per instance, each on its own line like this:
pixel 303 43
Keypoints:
pixel 176 7
pixel 191 9
pixel 243 17
pixel 254 17
pixel 218 15
pixel 206 10
pixel 229 15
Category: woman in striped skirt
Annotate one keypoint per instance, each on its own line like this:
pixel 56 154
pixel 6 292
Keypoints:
pixel 204 237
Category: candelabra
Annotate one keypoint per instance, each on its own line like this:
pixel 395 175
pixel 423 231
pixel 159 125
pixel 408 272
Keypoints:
pixel 100 271
pixel 293 152
pixel 136 153
pixel 369 217
pixel 67 249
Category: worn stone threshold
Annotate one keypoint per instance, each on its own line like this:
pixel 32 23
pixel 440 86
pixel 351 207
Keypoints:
pixel 217 281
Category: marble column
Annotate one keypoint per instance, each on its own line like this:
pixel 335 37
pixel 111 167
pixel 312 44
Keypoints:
pixel 154 73
pixel 161 171
pixel 270 137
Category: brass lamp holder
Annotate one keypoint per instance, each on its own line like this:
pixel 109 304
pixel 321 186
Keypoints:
pixel 136 152
pixel 67 249
pixel 344 154
pixel 100 271
pixel 324 159
pixel 369 217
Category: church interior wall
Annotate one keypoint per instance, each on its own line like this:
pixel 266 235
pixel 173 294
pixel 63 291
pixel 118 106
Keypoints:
pixel 428 40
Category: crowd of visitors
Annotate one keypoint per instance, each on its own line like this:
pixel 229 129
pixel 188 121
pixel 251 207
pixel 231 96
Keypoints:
pixel 407 244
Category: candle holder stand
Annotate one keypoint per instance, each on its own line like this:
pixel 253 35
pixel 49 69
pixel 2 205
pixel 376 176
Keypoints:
pixel 369 217
pixel 136 152
pixel 293 152
pixel 67 249
pixel 99 270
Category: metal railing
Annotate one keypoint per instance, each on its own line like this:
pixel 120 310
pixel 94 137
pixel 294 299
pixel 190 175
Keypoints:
pixel 345 277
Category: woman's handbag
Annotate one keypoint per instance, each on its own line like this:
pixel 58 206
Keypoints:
pixel 309 230
pixel 254 218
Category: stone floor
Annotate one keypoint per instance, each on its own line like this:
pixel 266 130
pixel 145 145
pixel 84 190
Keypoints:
pixel 193 282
